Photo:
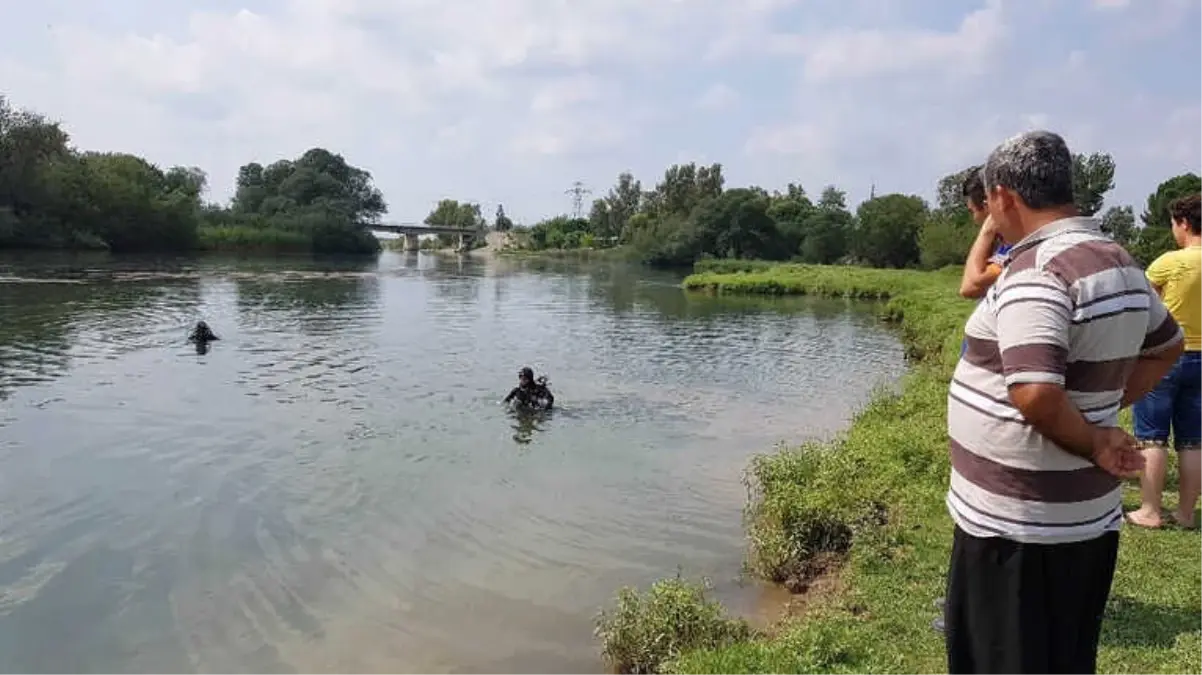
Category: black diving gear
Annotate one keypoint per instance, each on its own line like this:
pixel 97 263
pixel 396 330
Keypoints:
pixel 202 333
pixel 531 393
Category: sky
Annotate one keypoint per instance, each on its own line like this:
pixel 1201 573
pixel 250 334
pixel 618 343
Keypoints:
pixel 511 101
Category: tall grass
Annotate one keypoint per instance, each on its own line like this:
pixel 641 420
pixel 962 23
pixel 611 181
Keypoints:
pixel 646 631
pixel 228 238
pixel 873 498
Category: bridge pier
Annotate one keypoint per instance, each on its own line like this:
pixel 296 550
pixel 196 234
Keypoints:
pixel 412 242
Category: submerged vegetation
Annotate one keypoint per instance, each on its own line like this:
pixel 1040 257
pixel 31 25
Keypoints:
pixel 871 501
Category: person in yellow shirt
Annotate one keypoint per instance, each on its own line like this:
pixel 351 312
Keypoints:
pixel 1176 403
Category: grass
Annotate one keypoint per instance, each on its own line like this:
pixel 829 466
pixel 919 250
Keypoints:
pixel 874 499
pixel 645 631
pixel 230 238
pixel 616 253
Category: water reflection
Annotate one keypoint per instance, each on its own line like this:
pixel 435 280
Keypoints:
pixel 58 309
pixel 526 422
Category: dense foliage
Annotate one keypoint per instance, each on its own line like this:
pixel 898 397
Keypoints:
pixel 316 202
pixel 54 196
pixel 691 215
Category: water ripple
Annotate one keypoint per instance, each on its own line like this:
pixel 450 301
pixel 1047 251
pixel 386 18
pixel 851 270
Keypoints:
pixel 333 486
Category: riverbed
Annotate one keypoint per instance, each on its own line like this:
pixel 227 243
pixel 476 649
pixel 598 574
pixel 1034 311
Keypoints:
pixel 333 486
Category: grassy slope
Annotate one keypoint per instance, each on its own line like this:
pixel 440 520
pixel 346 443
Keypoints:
pixel 895 455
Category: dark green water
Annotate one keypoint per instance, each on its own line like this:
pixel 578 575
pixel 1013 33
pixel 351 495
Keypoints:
pixel 333 487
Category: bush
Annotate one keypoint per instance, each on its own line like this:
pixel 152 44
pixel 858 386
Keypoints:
pixel 245 238
pixel 646 631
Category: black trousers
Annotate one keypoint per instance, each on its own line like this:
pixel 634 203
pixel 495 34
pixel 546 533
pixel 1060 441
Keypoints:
pixel 1026 608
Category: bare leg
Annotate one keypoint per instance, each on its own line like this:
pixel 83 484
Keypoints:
pixel 1151 486
pixel 1189 465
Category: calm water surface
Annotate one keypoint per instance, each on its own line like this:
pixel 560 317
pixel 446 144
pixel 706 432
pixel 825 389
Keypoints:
pixel 333 487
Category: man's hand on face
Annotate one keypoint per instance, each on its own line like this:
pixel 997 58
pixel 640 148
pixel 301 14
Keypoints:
pixel 1117 452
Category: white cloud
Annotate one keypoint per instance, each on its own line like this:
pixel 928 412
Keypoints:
pixel 872 52
pixel 506 100
pixel 793 139
pixel 718 96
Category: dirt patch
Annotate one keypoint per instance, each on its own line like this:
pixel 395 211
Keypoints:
pixel 780 604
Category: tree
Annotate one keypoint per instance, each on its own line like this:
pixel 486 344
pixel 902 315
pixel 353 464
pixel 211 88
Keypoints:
pixel 317 198
pixel 833 199
pixel 29 146
pixel 611 214
pixel 826 236
pixel 602 220
pixel 1093 177
pixel 502 222
pixel 792 211
pixel 1156 237
pixel 945 239
pixel 683 187
pixel 888 228
pixel 736 224
pixel 453 213
pixel 1119 223
pixel 559 232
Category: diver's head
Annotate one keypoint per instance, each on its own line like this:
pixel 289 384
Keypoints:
pixel 201 326
pixel 526 375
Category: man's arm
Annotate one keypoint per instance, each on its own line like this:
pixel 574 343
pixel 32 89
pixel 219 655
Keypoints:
pixel 1163 344
pixel 1033 317
pixel 979 272
pixel 513 392
pixel 550 398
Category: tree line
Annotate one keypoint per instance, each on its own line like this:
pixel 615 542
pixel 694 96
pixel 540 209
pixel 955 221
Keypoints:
pixel 690 214
pixel 55 196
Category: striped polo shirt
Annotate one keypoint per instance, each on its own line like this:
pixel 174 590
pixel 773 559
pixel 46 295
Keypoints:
pixel 1071 308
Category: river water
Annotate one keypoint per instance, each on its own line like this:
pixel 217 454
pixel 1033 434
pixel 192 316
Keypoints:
pixel 334 487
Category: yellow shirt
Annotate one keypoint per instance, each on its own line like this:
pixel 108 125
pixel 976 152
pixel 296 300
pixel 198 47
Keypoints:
pixel 1178 275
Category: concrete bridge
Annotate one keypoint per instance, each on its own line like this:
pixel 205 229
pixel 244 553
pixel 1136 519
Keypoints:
pixel 412 232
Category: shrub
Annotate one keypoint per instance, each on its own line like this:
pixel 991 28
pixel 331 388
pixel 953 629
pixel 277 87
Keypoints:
pixel 645 631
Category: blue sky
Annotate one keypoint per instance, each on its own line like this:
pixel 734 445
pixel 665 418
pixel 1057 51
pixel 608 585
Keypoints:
pixel 511 101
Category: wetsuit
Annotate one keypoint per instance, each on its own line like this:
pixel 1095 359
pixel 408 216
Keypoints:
pixel 532 396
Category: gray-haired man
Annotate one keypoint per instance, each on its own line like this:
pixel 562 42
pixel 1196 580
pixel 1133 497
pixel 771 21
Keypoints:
pixel 1068 335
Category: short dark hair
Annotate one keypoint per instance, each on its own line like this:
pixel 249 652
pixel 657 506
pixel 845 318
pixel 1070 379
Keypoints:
pixel 527 373
pixel 1189 209
pixel 1037 166
pixel 973 186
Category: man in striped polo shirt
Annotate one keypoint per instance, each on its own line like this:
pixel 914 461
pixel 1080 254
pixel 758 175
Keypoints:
pixel 1070 333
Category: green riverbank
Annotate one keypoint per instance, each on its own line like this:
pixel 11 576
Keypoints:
pixel 872 501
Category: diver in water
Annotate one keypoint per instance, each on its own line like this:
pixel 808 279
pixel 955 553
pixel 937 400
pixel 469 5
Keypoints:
pixel 531 393
pixel 202 334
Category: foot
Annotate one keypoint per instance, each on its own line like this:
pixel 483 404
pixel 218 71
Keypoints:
pixel 1144 518
pixel 1183 521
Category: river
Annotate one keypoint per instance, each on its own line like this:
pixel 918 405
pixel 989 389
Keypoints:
pixel 334 487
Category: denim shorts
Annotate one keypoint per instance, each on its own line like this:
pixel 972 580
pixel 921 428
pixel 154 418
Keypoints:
pixel 1174 405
